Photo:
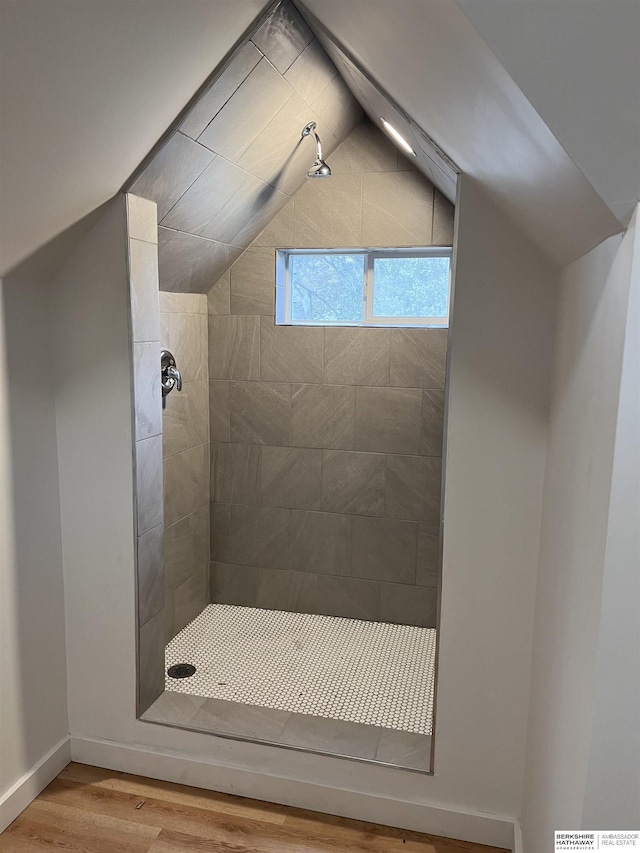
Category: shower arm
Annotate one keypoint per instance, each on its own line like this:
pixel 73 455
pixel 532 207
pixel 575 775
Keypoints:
pixel 307 130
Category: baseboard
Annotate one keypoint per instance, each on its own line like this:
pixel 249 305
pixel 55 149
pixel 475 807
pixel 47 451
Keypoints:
pixel 35 780
pixel 159 764
pixel 518 846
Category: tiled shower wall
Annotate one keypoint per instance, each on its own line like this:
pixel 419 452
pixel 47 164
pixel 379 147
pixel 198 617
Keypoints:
pixel 327 443
pixel 185 446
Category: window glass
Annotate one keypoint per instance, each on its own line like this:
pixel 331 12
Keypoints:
pixel 326 288
pixel 410 287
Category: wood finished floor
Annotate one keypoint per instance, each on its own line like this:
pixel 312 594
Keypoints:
pixel 89 810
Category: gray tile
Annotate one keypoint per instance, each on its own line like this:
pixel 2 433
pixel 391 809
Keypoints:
pixel 150 661
pixel 290 354
pixel 323 416
pixel 172 171
pixel 366 149
pixel 185 419
pixel 443 220
pixel 404 604
pixel 291 477
pixel 279 156
pixel 249 110
pixel 356 356
pixel 182 303
pixel 350 598
pixel 384 549
pixel 320 542
pixel 190 598
pixel 149 483
pixel 353 482
pixel 211 102
pixel 388 420
pixel 428 561
pixel 186 483
pixel 397 209
pixel 146 383
pixel 311 72
pixel 219 296
pixel 418 358
pixel 261 413
pixel 253 283
pixel 234 347
pixel 294 592
pixel 220 547
pixel 279 233
pixel 150 575
pixel 186 547
pixel 432 434
pixel 412 489
pixel 191 263
pixel 143 273
pixel 178 709
pixel 234 584
pixel 283 37
pixel 142 219
pixel 225 204
pixel 338 108
pixel 187 337
pixel 234 718
pixel 259 537
pixel 235 471
pixel 324 734
pixel 219 410
pixel 404 749
pixel 328 213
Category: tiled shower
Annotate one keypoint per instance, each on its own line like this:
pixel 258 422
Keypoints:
pixel 301 465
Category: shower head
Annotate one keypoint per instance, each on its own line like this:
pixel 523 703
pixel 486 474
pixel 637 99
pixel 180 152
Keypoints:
pixel 319 169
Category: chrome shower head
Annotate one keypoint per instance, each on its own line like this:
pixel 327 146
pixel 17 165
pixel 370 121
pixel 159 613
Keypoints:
pixel 319 169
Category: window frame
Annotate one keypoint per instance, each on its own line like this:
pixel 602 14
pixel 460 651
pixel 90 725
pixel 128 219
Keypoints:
pixel 283 287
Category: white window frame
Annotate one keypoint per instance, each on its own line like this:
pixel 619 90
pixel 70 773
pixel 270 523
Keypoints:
pixel 283 286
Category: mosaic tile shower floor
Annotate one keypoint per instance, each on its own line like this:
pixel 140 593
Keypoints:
pixel 346 669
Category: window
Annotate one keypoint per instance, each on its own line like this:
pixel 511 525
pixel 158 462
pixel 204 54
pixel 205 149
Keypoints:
pixel 363 287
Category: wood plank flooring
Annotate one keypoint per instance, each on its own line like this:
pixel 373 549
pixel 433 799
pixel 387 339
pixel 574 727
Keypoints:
pixel 90 810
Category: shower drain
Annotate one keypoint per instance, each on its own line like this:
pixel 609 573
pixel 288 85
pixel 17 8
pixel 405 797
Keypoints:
pixel 181 670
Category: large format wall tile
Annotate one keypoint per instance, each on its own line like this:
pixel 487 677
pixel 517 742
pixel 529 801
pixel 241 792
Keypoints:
pixel 186 336
pixel 234 347
pixel 186 483
pixel 404 604
pixel 259 536
pixel 150 575
pixel 142 218
pixel 388 420
pixel 291 477
pixel 443 220
pixel 190 599
pixel 185 421
pixel 289 353
pixel 337 107
pixel 235 472
pixel 418 358
pixel 149 483
pixel 232 584
pixel 311 72
pixel 191 263
pixel 397 209
pixel 186 547
pixel 143 277
pixel 219 297
pixel 412 489
pixel 252 283
pixel 172 171
pixel 278 234
pixel 212 101
pixel 384 549
pixel 146 383
pixel 283 37
pixel 286 590
pixel 320 542
pixel 365 150
pixel 328 213
pixel 219 410
pixel 353 482
pixel 323 416
pixel 432 433
pixel 356 356
pixel 348 597
pixel 428 560
pixel 182 303
pixel 151 661
pixel 247 112
pixel 261 413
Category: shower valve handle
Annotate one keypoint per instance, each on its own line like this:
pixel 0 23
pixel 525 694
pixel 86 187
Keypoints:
pixel 170 375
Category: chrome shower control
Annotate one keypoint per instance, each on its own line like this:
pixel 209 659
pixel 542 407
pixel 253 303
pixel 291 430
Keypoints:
pixel 170 375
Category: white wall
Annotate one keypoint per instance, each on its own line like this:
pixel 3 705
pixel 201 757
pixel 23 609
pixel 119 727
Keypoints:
pixel 33 697
pixel 592 319
pixel 503 316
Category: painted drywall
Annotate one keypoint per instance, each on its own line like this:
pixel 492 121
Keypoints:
pixel 498 403
pixel 592 316
pixel 33 698
pixel 612 795
pixel 578 62
pixel 100 82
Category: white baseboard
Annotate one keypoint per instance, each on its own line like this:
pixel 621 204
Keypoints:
pixel 159 764
pixel 518 846
pixel 26 789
